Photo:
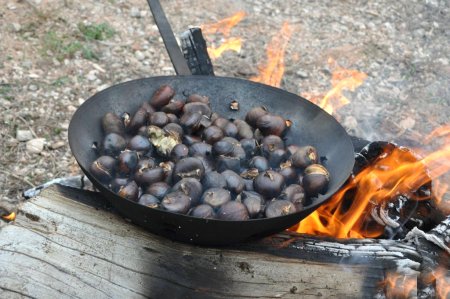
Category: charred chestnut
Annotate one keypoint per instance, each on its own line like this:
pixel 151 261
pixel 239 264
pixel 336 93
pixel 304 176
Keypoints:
pixel 179 152
pixel 188 168
pixel 315 179
pixel 176 202
pixel 252 116
pixel 269 184
pixel 162 96
pixel 173 107
pixel 128 161
pixel 103 168
pixel 203 211
pixel 304 156
pixel 111 123
pixel 129 191
pixel 234 211
pixel 149 201
pixel 271 124
pixel 113 144
pixel 138 120
pixel 212 134
pixel 191 187
pixel 279 208
pixel 215 197
pixel 158 190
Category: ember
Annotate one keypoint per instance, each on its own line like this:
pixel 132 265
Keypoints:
pixel 9 217
pixel 223 27
pixel 400 286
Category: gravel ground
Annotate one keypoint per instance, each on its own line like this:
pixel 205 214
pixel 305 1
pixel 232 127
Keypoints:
pixel 55 54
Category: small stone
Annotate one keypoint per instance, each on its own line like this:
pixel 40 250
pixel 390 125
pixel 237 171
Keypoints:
pixel 350 123
pixel 24 135
pixel 35 146
pixel 16 27
pixel 135 13
pixel 32 87
pixel 57 144
pixel 91 76
pixel 407 123
pixel 302 74
pixel 139 55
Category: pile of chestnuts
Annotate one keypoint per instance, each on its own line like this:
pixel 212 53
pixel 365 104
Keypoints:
pixel 180 156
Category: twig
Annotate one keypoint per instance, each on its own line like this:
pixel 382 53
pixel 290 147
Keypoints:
pixel 18 177
pixel 26 123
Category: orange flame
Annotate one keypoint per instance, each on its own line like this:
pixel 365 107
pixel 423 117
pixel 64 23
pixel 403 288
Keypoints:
pixel 9 217
pixel 272 72
pixel 441 281
pixel 231 44
pixel 400 286
pixel 223 27
pixel 395 172
pixel 341 79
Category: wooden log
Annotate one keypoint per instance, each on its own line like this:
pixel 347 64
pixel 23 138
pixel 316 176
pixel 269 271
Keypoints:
pixel 195 52
pixel 66 243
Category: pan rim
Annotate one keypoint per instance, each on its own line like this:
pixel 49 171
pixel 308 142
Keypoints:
pixel 317 201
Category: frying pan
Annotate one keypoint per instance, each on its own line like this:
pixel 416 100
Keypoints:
pixel 311 125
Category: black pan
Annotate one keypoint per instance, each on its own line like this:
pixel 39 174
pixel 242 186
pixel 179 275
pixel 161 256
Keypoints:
pixel 311 125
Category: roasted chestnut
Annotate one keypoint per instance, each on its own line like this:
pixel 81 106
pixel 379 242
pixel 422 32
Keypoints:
pixel 269 184
pixel 158 119
pixel 223 163
pixel 173 107
pixel 270 124
pixel 295 194
pixel 253 202
pixel 143 131
pixel 111 123
pixel 149 176
pixel 248 185
pixel 212 134
pixel 304 156
pixel 141 144
pixel 167 167
pixel 238 152
pixel 280 207
pixel 230 129
pixel 235 183
pixel 271 143
pixel 103 168
pixel 173 129
pixel 163 141
pixel 222 148
pixel 194 98
pixel 277 157
pixel 138 120
pixel 252 116
pixel 190 122
pixel 176 202
pixel 149 108
pixel 190 139
pixel 158 190
pixel 244 129
pixel 113 144
pixel 215 197
pixel 200 149
pixel 203 211
pixel 213 179
pixel 188 168
pixel 220 122
pixel 197 107
pixel 146 163
pixel 128 161
pixel 289 173
pixel 191 187
pixel 208 163
pixel 250 174
pixel 149 201
pixel 162 96
pixel 260 163
pixel 117 183
pixel 234 211
pixel 173 118
pixel 179 152
pixel 249 146
pixel 129 191
pixel 315 179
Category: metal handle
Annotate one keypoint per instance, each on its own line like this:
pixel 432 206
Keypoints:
pixel 175 54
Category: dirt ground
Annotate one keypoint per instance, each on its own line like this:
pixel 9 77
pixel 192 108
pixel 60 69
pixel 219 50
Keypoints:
pixel 55 54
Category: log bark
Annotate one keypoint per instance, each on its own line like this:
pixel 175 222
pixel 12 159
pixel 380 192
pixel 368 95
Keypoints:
pixel 195 52
pixel 67 242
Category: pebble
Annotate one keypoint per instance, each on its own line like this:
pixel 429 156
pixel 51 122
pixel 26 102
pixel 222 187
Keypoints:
pixel 91 76
pixel 135 13
pixel 24 135
pixel 16 27
pixel 302 74
pixel 407 123
pixel 57 144
pixel 32 87
pixel 139 55
pixel 35 146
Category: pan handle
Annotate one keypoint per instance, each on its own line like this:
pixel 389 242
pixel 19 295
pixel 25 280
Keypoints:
pixel 175 54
